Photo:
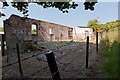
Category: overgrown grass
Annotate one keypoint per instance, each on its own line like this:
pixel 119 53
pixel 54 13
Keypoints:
pixel 111 65
pixel 111 53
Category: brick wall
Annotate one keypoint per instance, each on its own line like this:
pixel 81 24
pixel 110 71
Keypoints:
pixel 17 29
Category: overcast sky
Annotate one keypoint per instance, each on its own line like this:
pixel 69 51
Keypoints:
pixel 106 11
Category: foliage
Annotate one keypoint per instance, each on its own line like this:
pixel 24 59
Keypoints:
pixel 34 31
pixel 111 65
pixel 62 6
pixel 21 6
pixel 110 44
pixel 110 26
pixel 1 29
pixel 90 5
pixel 93 24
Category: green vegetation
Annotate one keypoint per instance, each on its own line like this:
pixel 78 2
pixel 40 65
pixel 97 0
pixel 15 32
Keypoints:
pixel 110 26
pixel 110 43
pixel 93 24
pixel 111 65
pixel 1 29
pixel 34 31
pixel 62 6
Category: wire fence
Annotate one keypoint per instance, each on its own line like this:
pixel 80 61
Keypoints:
pixel 36 56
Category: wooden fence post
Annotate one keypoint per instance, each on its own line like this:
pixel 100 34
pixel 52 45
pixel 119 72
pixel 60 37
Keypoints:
pixel 19 61
pixel 2 45
pixel 87 51
pixel 52 65
pixel 97 42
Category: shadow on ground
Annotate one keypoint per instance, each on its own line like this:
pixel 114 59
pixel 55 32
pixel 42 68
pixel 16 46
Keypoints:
pixel 70 58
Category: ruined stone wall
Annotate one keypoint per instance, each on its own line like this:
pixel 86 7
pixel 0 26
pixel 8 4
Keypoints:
pixel 16 29
pixel 79 33
pixel 59 32
pixel 22 29
pixel 10 37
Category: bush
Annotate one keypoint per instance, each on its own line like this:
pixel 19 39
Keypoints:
pixel 111 44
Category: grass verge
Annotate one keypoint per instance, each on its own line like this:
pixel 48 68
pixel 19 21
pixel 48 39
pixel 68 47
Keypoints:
pixel 111 65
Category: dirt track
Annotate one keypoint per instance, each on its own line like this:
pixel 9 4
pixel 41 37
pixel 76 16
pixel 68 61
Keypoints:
pixel 70 58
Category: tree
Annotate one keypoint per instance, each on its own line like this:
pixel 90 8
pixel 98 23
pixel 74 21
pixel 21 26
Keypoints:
pixel 110 26
pixel 94 24
pixel 62 6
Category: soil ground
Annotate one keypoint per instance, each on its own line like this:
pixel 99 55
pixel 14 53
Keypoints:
pixel 70 58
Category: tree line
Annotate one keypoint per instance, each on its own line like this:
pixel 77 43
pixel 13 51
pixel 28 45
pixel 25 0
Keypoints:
pixel 110 26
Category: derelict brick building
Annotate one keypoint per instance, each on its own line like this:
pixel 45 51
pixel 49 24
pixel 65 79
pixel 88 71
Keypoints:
pixel 16 29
